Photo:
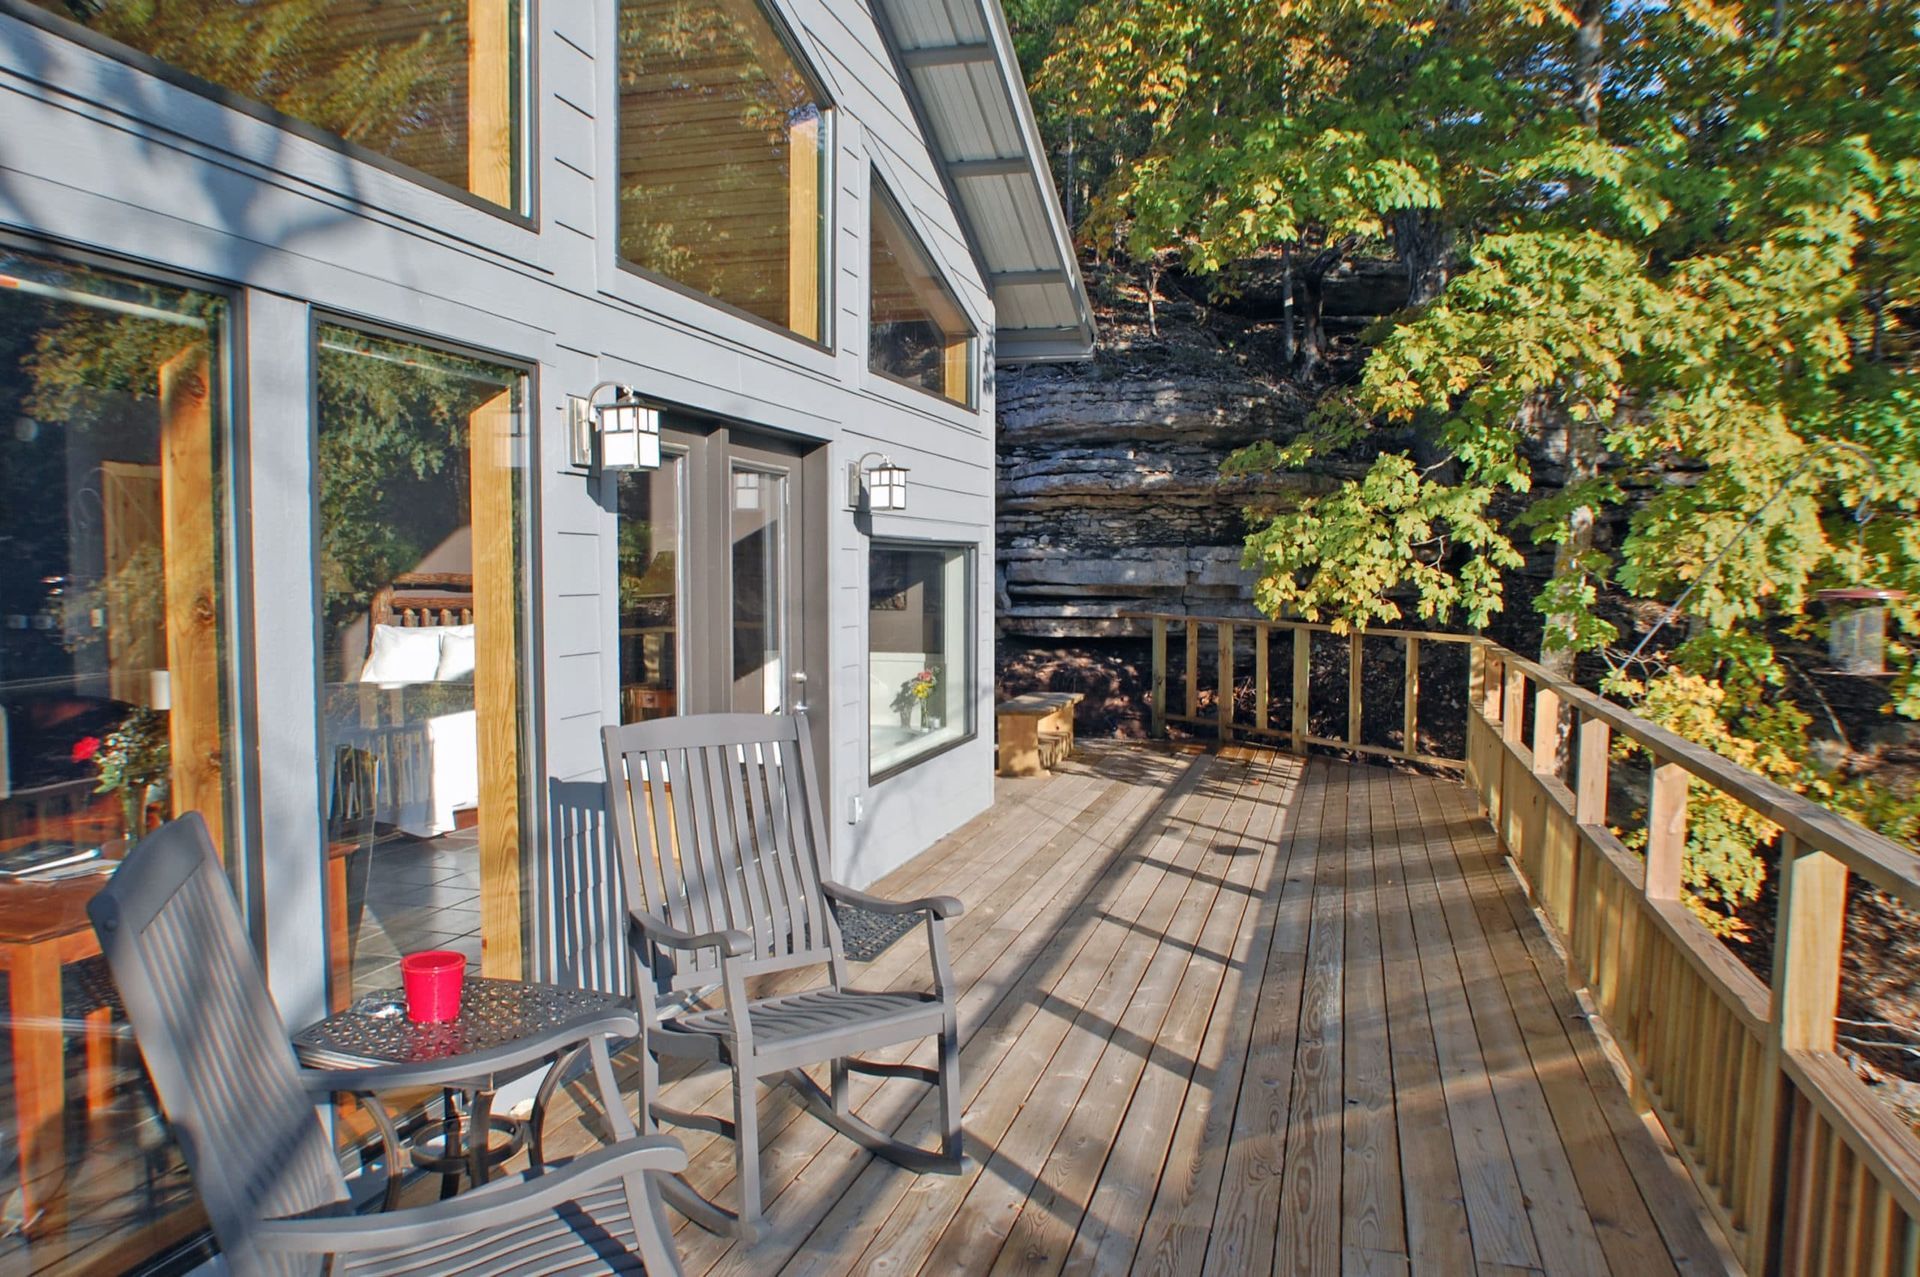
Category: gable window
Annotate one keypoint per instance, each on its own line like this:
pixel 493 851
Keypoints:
pixel 917 332
pixel 434 85
pixel 722 140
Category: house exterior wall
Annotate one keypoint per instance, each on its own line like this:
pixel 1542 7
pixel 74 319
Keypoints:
pixel 98 154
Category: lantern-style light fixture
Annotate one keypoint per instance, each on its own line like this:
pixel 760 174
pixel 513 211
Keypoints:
pixel 620 434
pixel 1857 629
pixel 881 487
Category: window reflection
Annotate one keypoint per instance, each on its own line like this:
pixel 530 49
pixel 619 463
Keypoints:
pixel 113 718
pixel 919 677
pixel 650 558
pixel 759 536
pixel 723 158
pixel 916 332
pixel 421 623
pixel 433 84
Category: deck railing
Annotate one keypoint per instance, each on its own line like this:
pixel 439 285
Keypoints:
pixel 1229 634
pixel 1807 1171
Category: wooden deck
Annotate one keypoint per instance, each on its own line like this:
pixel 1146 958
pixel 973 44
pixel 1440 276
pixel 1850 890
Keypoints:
pixel 1231 1013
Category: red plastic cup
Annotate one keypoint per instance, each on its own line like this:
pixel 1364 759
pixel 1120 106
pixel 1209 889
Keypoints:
pixel 432 980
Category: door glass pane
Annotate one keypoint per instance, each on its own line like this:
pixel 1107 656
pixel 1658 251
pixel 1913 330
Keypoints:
pixel 919 677
pixel 433 84
pixel 113 717
pixel 422 627
pixel 760 588
pixel 650 559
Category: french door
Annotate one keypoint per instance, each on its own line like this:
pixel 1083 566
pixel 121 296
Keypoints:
pixel 713 547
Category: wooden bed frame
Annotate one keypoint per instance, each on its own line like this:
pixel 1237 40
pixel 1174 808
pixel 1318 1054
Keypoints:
pixel 422 598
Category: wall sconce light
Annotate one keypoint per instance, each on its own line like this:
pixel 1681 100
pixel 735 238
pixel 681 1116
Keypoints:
pixel 623 434
pixel 884 487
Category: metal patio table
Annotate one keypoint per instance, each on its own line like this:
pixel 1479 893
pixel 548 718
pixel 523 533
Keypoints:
pixel 483 1049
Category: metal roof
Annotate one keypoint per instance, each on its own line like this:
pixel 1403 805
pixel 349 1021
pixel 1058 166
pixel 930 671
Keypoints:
pixel 957 62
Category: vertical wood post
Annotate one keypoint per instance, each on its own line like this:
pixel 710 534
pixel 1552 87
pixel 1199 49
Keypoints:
pixel 1590 794
pixel 1193 669
pixel 1410 703
pixel 1666 831
pixel 1302 667
pixel 1355 664
pixel 1809 930
pixel 490 101
pixel 1262 636
pixel 496 683
pixel 1492 687
pixel 803 250
pixel 1546 730
pixel 191 586
pixel 1159 677
pixel 1513 706
pixel 1223 698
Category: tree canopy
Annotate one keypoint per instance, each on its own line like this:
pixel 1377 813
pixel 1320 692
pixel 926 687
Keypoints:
pixel 1669 252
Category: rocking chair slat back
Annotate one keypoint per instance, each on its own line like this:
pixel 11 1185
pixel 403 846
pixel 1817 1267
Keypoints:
pixel 717 825
pixel 214 1044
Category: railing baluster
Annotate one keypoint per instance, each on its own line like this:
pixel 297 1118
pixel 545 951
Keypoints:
pixel 1355 664
pixel 1223 702
pixel 1666 831
pixel 1159 677
pixel 1302 667
pixel 1410 705
pixel 1513 705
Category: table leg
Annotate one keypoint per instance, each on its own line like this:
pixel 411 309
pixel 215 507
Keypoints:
pixel 449 1148
pixel 39 1086
pixel 479 1136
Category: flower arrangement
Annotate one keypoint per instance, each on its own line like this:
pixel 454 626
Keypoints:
pixel 911 701
pixel 135 761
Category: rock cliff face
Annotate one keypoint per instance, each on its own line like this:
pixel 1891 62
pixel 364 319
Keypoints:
pixel 1110 494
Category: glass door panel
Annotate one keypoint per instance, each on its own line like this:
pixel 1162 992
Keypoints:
pixel 651 553
pixel 422 622
pixel 761 587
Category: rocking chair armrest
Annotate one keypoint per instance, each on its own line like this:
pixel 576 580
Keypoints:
pixel 731 941
pixel 942 907
pixel 501 1202
pixel 476 1068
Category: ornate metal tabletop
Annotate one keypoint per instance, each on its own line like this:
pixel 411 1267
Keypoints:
pixel 493 1013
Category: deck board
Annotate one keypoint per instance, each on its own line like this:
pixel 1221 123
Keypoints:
pixel 1228 1012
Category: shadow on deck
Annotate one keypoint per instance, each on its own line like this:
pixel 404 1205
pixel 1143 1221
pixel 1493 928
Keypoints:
pixel 1230 1013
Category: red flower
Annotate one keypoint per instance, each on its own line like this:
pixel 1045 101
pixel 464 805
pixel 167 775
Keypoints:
pixel 85 748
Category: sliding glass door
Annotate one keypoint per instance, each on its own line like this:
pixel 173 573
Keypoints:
pixel 422 632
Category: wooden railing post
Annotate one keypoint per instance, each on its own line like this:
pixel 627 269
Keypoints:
pixel 1546 731
pixel 1262 634
pixel 1513 705
pixel 1666 831
pixel 1410 704
pixel 1302 667
pixel 1193 669
pixel 1355 661
pixel 1809 931
pixel 1223 699
pixel 1596 761
pixel 1159 678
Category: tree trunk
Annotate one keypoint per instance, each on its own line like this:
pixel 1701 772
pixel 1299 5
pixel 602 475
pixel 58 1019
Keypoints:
pixel 1311 352
pixel 1422 242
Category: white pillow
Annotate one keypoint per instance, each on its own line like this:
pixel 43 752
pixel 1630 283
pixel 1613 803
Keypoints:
pixel 456 655
pixel 402 655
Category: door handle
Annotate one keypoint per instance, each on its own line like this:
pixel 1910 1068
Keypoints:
pixel 800 678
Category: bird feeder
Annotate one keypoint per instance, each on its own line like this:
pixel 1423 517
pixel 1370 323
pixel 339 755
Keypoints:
pixel 1857 629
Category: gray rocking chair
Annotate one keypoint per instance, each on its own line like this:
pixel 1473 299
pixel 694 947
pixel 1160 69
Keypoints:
pixel 718 827
pixel 242 1109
